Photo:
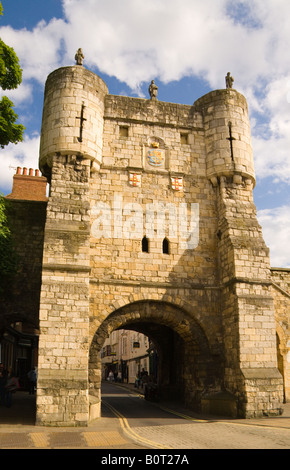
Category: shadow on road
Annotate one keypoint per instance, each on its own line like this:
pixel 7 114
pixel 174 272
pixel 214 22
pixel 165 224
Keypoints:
pixel 22 410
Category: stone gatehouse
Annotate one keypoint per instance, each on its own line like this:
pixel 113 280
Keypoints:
pixel 150 225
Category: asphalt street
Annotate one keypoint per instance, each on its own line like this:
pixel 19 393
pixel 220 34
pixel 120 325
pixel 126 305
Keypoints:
pixel 130 422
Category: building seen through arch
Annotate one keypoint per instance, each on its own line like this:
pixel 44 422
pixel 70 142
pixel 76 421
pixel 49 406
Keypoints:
pixel 126 354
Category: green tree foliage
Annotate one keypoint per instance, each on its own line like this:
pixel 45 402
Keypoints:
pixel 4 230
pixel 10 71
pixel 10 78
pixel 9 131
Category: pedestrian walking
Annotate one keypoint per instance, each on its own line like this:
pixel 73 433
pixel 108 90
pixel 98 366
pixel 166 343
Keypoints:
pixel 137 380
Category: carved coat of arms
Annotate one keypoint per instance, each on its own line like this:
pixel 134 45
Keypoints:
pixel 135 179
pixel 155 157
pixel 177 183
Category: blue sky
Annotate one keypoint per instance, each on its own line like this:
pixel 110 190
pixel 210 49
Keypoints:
pixel 187 46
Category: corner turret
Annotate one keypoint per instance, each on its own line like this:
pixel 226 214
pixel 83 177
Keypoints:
pixel 72 121
pixel 227 136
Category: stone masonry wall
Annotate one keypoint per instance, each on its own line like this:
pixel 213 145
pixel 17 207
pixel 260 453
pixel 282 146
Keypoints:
pixel 248 312
pixel 121 273
pixel 202 270
pixel 119 260
pixel 244 267
pixel 281 293
pixel 62 395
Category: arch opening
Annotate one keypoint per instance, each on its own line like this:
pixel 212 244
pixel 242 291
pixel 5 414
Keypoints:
pixel 162 360
pixel 145 244
pixel 165 246
pixel 186 368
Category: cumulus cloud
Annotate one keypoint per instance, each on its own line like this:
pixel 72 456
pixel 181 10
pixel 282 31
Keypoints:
pixel 38 50
pixel 136 41
pixel 24 154
pixel 272 158
pixel 22 94
pixel 277 240
pixel 271 143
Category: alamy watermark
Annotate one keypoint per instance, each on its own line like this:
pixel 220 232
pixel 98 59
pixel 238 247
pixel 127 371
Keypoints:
pixel 156 220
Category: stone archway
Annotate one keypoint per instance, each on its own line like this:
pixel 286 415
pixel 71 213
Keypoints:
pixel 188 368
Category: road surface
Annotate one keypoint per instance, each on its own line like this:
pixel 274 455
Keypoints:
pixel 163 427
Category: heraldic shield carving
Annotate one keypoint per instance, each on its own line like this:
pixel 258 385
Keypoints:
pixel 155 156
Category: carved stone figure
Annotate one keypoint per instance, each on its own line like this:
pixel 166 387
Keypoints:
pixel 79 57
pixel 153 89
pixel 229 80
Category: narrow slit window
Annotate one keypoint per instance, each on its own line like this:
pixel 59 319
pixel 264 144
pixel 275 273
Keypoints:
pixel 165 246
pixel 145 245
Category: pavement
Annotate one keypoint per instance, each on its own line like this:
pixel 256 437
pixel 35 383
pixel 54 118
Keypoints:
pixel 18 431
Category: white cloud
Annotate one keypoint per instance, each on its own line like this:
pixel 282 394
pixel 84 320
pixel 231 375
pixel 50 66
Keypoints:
pixel 277 239
pixel 24 154
pixel 272 147
pixel 137 41
pixel 272 158
pixel 168 39
pixel 38 50
pixel 22 94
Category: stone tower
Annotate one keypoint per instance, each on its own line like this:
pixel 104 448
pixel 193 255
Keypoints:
pixel 244 266
pixel 207 304
pixel 67 156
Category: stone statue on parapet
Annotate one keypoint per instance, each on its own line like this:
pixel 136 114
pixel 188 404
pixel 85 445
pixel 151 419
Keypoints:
pixel 153 89
pixel 229 80
pixel 79 57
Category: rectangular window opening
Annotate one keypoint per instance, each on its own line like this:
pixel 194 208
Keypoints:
pixel 123 131
pixel 183 138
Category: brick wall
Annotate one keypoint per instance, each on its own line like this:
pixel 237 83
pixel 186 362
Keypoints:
pixel 28 186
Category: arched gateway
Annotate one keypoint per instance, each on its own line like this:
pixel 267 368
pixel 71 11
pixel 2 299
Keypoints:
pixel 188 363
pixel 126 174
